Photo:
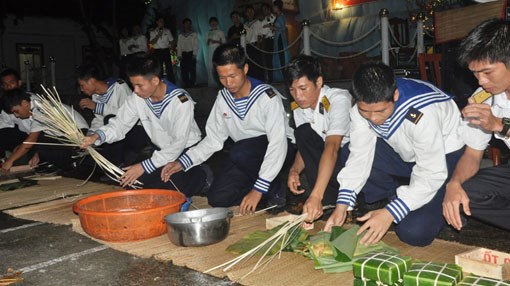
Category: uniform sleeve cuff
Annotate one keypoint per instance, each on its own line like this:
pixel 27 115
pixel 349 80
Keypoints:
pixel 346 197
pixel 148 166
pixel 99 109
pixel 185 161
pixel 262 185
pixel 398 209
pixel 102 137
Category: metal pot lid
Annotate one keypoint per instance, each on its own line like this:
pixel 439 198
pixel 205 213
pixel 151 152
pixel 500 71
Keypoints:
pixel 202 215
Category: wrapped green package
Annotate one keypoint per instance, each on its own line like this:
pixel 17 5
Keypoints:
pixel 384 267
pixel 472 280
pixel 368 282
pixel 433 274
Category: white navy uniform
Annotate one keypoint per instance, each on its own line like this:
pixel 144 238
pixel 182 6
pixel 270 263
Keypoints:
pixel 169 124
pixel 163 42
pixel 31 124
pixel 422 129
pixel 109 102
pixel 477 138
pixel 261 113
pixel 331 114
pixel 253 31
pixel 5 120
pixel 140 44
pixel 124 46
pixel 489 189
pixel 187 42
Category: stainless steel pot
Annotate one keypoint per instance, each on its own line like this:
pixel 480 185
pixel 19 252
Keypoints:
pixel 199 227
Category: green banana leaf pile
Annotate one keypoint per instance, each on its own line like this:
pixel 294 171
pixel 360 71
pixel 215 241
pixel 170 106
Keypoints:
pixel 331 252
pixel 335 251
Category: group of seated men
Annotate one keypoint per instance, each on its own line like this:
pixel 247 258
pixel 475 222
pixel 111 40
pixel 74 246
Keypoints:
pixel 402 143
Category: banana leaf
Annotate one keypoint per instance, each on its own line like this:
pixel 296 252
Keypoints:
pixel 379 247
pixel 344 244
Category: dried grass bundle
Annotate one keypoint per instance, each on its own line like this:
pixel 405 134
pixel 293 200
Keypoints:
pixel 281 238
pixel 60 125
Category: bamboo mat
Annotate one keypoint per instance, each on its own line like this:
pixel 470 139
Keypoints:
pixel 46 191
pixel 290 269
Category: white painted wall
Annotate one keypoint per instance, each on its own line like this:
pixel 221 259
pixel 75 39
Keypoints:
pixel 62 39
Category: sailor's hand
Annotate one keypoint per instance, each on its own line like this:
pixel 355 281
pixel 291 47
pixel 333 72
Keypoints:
pixel 132 173
pixel 88 140
pixel 250 202
pixel 87 103
pixel 337 218
pixel 170 169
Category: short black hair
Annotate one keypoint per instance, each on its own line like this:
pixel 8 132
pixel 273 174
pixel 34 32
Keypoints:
pixel 10 71
pixel 187 20
pixel 229 54
pixel 373 83
pixel 148 67
pixel 279 4
pixel 12 98
pixel 301 66
pixel 88 71
pixel 234 13
pixel 489 41
pixel 213 19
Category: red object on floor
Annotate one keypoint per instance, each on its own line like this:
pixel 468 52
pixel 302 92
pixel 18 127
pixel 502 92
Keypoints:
pixel 124 216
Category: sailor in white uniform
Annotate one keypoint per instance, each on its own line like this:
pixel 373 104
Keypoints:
pixel 166 113
pixel 251 113
pixel 24 112
pixel 322 122
pixel 106 97
pixel 401 129
pixel 187 50
pixel 483 193
pixel 10 134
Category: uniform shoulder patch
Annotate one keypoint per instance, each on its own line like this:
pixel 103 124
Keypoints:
pixel 325 102
pixel 183 98
pixel 294 105
pixel 270 92
pixel 414 115
pixel 120 81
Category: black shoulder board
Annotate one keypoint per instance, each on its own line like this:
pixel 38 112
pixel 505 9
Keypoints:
pixel 414 115
pixel 183 98
pixel 120 81
pixel 270 92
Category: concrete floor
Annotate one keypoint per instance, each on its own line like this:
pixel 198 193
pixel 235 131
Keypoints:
pixel 55 255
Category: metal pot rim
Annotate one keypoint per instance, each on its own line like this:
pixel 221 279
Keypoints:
pixel 199 216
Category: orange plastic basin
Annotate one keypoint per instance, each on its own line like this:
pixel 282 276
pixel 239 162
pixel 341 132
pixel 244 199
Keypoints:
pixel 123 216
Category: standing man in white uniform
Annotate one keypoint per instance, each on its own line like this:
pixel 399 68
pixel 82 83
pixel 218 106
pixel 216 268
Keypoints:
pixel 267 34
pixel 166 113
pixel 187 50
pixel 251 113
pixel 322 122
pixel 400 129
pixel 483 193
pixel 253 28
pixel 161 40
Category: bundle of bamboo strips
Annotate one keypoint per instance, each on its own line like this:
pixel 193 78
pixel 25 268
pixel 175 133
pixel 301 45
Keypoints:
pixel 282 238
pixel 60 125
